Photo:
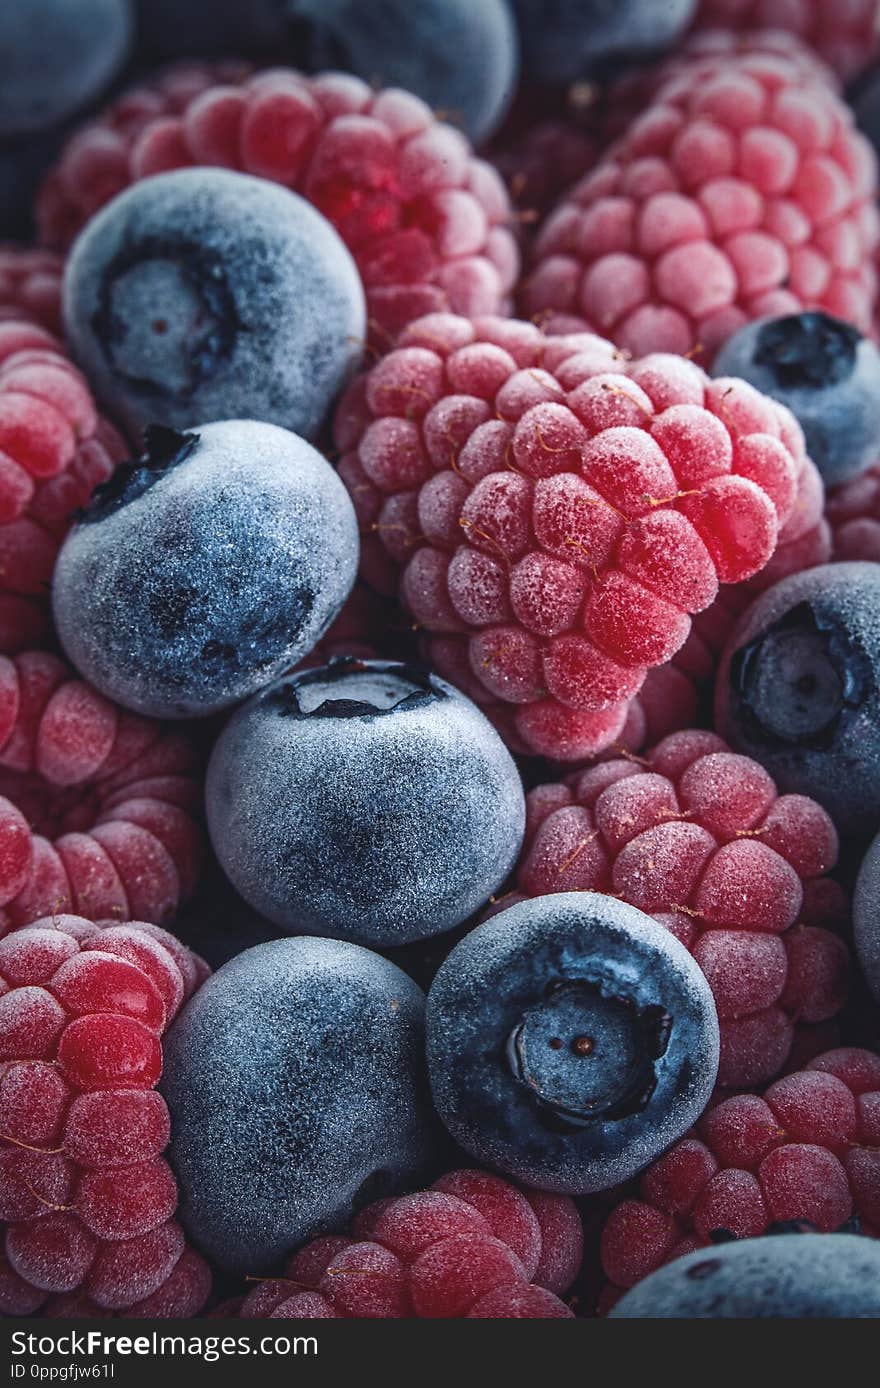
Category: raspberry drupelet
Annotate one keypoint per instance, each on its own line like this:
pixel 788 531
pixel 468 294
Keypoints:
pixel 699 838
pixel 86 1198
pixel 807 1150
pixel 743 191
pixel 553 513
pixel 96 804
pixel 427 223
pixel 846 36
pixel 473 1246
pixel 54 449
pixel 853 513
pixel 30 285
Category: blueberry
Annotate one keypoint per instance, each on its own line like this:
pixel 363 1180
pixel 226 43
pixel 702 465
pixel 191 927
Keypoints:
pixel 365 799
pixel 778 1277
pixel 562 40
pixel 571 1039
pixel 169 29
pixel 866 917
pixel 57 56
pixel 799 689
pixel 866 104
pixel 826 373
pixel 295 1083
pixel 205 568
pixel 206 294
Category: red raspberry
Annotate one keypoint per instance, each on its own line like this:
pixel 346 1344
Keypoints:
pixel 96 804
pixel 426 222
pixel 742 191
pixel 54 449
pixel 472 1245
pixel 699 838
pixel 86 1197
pixel 807 1150
pixel 853 513
pixel 846 35
pixel 558 512
pixel 30 285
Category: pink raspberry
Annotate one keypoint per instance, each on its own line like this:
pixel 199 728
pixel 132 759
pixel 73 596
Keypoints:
pixel 86 1198
pixel 699 838
pixel 808 1150
pixel 553 513
pixel 30 286
pixel 427 223
pixel 54 449
pixel 473 1245
pixel 742 191
pixel 846 35
pixel 853 513
pixel 96 804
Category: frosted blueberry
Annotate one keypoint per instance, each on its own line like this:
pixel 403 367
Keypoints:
pixel 205 568
pixel 295 1083
pixel 778 1277
pixel 571 1039
pixel 366 800
pixel 798 689
pixel 56 56
pixel 205 294
pixel 826 373
pixel 562 40
pixel 866 917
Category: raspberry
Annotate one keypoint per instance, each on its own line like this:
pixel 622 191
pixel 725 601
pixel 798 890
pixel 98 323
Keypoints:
pixel 558 512
pixel 96 804
pixel 86 1197
pixel 426 222
pixel 699 838
pixel 30 286
pixel 853 513
pixel 472 1245
pixel 804 1151
pixel 845 35
pixel 742 191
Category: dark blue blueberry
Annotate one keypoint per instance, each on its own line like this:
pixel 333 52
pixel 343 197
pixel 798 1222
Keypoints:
pixel 168 29
pixel 799 689
pixel 366 800
pixel 866 917
pixel 204 569
pixel 778 1277
pixel 826 373
pixel 57 56
pixel 206 294
pixel 866 104
pixel 571 1039
pixel 562 40
pixel 295 1083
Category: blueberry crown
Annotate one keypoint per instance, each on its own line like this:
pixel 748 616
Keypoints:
pixel 425 689
pixel 164 450
pixel 810 350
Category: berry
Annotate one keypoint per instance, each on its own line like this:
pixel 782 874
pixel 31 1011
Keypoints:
pixel 558 512
pixel 471 1246
pixel 804 1151
pixel 866 917
pixel 30 286
pixel 205 294
pixel 563 40
pixel 56 57
pixel 853 512
pixel 700 839
pixel 426 223
pixel 799 689
pixel 86 1197
pixel 826 373
pixel 845 35
pixel 96 814
pixel 743 191
pixel 786 1277
pixel 294 1081
pixel 570 1040
pixel 205 568
pixel 365 800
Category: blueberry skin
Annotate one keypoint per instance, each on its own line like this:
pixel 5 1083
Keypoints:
pixel 365 800
pixel 200 572
pixel 57 56
pixel 777 1277
pixel 570 1040
pixel 826 373
pixel 168 29
pixel 206 294
pixel 562 40
pixel 866 917
pixel 798 689
pixel 295 1082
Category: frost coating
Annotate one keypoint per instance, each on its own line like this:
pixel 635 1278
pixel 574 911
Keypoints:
pixel 366 800
pixel 296 1093
pixel 202 570
pixel 799 689
pixel 570 1040
pixel 866 917
pixel 206 294
pixel 778 1277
